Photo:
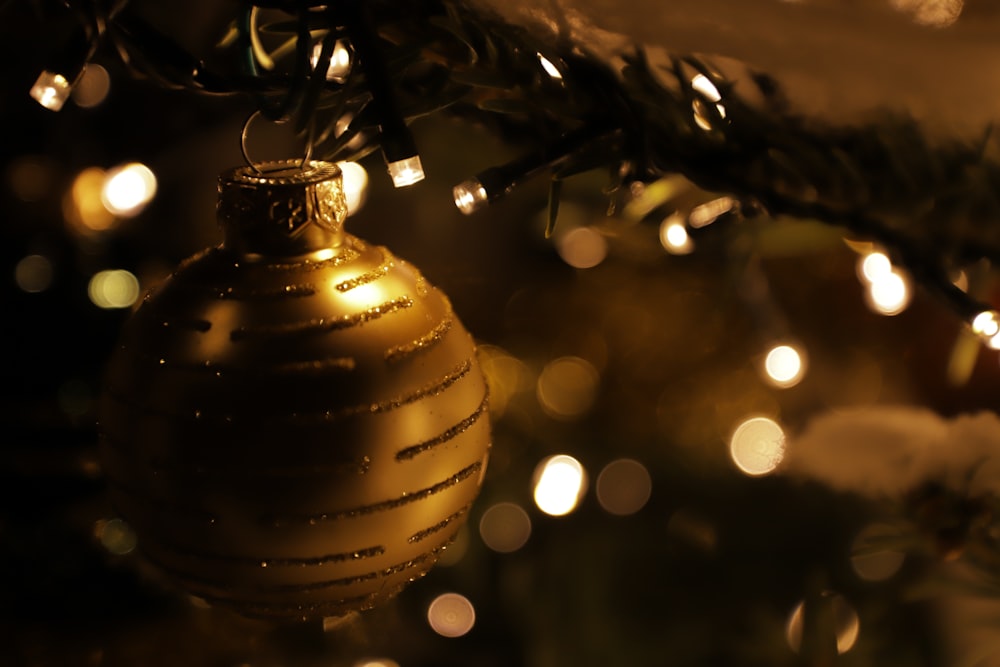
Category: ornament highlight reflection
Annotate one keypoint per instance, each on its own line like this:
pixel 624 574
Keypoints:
pixel 355 179
pixel 757 446
pixel 560 482
pixel 451 615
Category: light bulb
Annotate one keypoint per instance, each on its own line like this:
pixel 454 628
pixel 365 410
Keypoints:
pixel 470 196
pixel 406 171
pixel 986 324
pixel 51 90
pixel 340 61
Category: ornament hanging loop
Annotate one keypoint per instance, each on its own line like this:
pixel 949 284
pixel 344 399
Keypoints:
pixel 303 162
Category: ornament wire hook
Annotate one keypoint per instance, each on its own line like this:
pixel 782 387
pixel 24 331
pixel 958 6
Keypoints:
pixel 254 165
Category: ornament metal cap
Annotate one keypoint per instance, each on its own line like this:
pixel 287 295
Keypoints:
pixel 283 208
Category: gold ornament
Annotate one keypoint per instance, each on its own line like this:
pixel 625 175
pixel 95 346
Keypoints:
pixel 295 422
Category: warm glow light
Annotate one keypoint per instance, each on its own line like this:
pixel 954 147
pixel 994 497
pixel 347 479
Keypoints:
pixel 674 236
pixel 704 85
pixel 784 366
pixel 567 387
pixel 451 615
pixel 845 622
pixel 986 324
pixel 113 289
pixel 340 61
pixel 51 90
pixel 560 482
pixel 33 273
pixel 406 172
pixel 889 294
pixel 505 527
pixel 549 68
pixel 623 487
pixel 470 196
pixel 355 185
pixel 757 446
pixel 376 662
pixel 93 87
pixel 874 266
pixel 128 189
pixel 709 212
pixel 582 248
pixel 83 207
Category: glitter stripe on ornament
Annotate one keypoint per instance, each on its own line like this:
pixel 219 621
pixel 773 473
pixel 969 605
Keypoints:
pixel 321 324
pixel 401 352
pixel 292 367
pixel 378 407
pixel 439 526
pixel 244 294
pixel 405 499
pixel 451 433
pixel 275 561
pixel 345 255
pixel 263 611
pixel 370 276
pixel 201 326
pixel 196 581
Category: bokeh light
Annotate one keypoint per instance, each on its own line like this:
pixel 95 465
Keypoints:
pixel 784 366
pixel 127 189
pixel 33 273
pixel 560 483
pixel 451 615
pixel 623 487
pixel 115 535
pixel 567 387
pixel 355 185
pixel 376 662
pixel 872 559
pixel 582 247
pixel 674 236
pixel 505 374
pixel 757 446
pixel 888 290
pixel 705 214
pixel 83 206
pixel 114 288
pixel 843 620
pixel 505 527
pixel 93 87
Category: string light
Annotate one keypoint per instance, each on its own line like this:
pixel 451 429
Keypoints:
pixel 339 65
pixel 51 90
pixel 986 324
pixel 487 186
pixel 399 150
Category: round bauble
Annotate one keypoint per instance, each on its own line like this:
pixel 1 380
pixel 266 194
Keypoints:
pixel 294 423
